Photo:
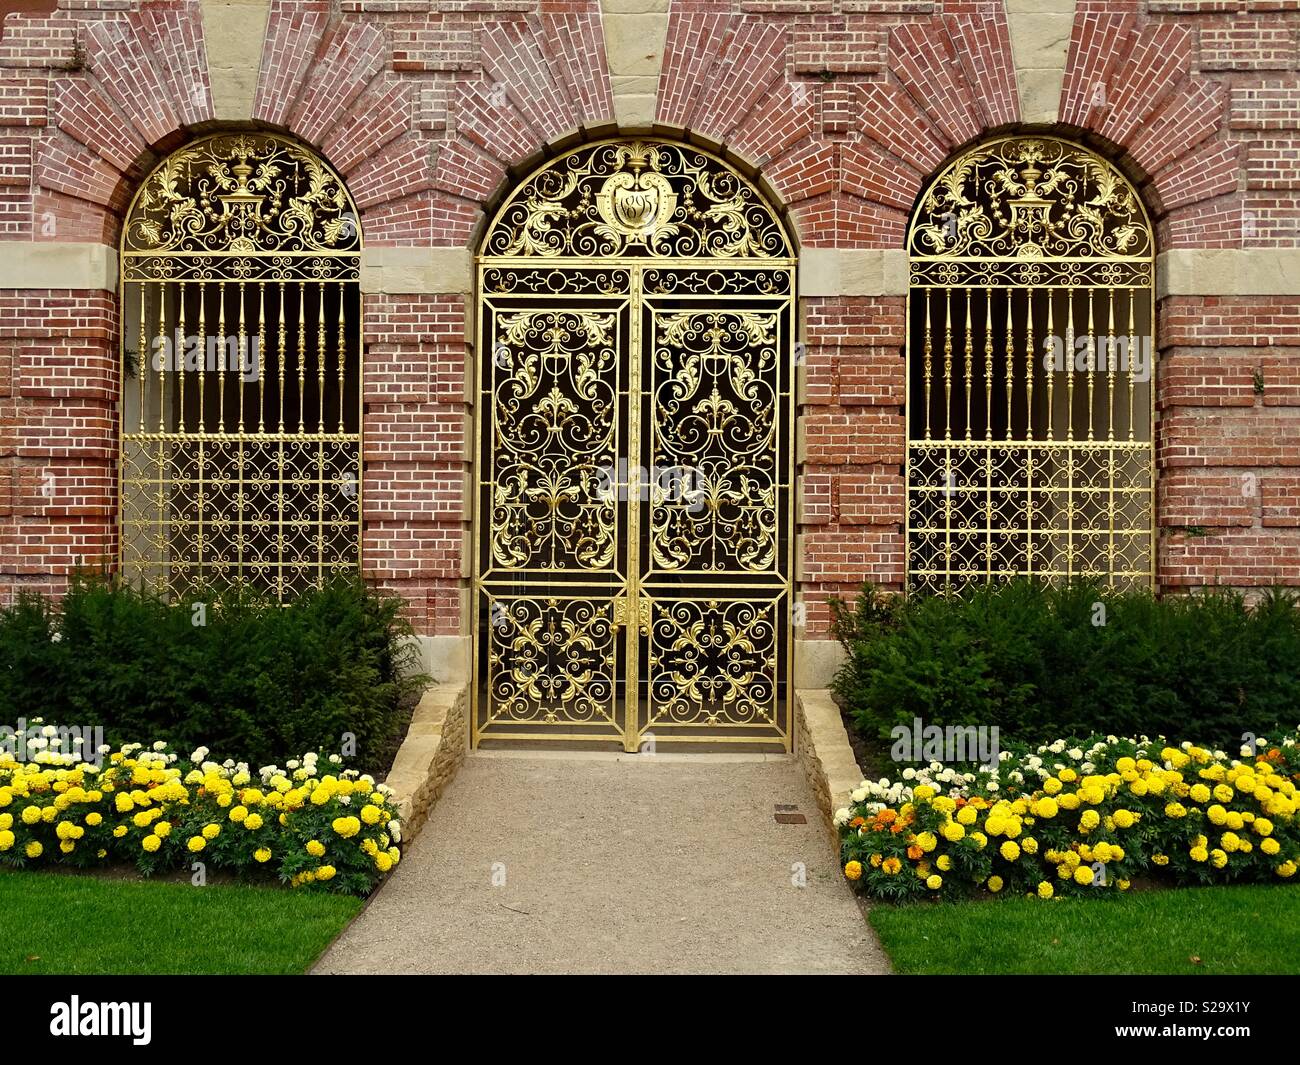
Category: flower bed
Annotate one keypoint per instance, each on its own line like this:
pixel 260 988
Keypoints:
pixel 1066 819
pixel 310 824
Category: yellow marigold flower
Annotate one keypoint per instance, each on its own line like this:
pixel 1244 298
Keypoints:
pixel 162 829
pixel 943 863
pixel 31 814
pixel 1218 858
pixel 995 884
pixel 1068 775
pixel 211 831
pixel 1199 854
pixel 347 827
pixel 1262 826
pixel 1160 859
pixel 1217 814
pixel 1101 852
pixel 123 803
pixel 320 796
pixel 197 843
pixel 253 822
pixel 1045 807
pixel 1286 869
pixel 1029 845
pixel 262 854
pixel 1088 820
pixel 151 843
pixel 1138 788
pixel 1083 876
pixel 923 792
pixel 315 848
pixel 238 813
pixel 890 865
pixel 980 839
pixel 34 850
pixel 1045 890
pixel 934 882
pixel 67 846
pixel 853 870
pixel 1125 818
pixel 6 839
pixel 1009 850
pixel 1124 764
pixel 1223 793
pixel 1051 785
pixel 1270 846
pixel 1123 885
pixel 967 815
pixel 1229 842
pixel 1068 801
pixel 94 819
pixel 371 815
pixel 1175 809
pixel 952 831
pixel 1093 794
pixel 1199 793
pixel 384 863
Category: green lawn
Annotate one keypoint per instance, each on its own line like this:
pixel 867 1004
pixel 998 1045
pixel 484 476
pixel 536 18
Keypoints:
pixel 1187 930
pixel 51 923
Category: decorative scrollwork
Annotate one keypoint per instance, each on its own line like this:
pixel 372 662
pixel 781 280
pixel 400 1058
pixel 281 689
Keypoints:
pixel 1030 198
pixel 244 194
pixel 639 198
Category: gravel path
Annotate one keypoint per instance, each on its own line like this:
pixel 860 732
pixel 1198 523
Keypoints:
pixel 614 864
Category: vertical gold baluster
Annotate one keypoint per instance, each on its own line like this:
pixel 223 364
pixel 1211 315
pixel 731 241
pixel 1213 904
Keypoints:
pixel 1110 359
pixel 947 364
pixel 178 355
pixel 970 355
pixel 1049 370
pixel 281 368
pixel 928 373
pixel 302 354
pixel 141 355
pixel 243 356
pixel 261 353
pixel 1132 354
pixel 162 348
pixel 988 363
pixel 320 362
pixel 1092 358
pixel 342 355
pixel 221 359
pixel 1011 354
pixel 1029 364
pixel 1069 363
pixel 203 353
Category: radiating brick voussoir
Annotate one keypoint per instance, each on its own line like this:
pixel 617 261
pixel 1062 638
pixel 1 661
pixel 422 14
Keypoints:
pixel 175 35
pixel 1191 115
pixel 1158 59
pixel 921 57
pixel 89 116
pixel 353 56
pixel 381 113
pixel 294 31
pixel 118 55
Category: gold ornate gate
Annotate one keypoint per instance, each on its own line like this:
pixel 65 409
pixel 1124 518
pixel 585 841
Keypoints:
pixel 635 454
pixel 241 406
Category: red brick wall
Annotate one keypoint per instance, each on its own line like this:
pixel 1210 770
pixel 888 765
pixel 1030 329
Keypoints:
pixel 843 105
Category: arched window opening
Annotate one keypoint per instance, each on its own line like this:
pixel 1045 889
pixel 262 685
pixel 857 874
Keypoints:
pixel 241 402
pixel 1030 371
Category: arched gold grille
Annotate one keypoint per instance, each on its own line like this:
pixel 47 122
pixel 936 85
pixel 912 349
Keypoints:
pixel 241 405
pixel 635 450
pixel 1030 370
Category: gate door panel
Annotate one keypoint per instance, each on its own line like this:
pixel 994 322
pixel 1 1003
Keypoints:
pixel 635 448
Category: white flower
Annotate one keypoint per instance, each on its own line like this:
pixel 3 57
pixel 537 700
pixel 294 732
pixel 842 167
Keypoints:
pixel 859 795
pixel 395 830
pixel 841 818
pixel 909 773
pixel 199 754
pixel 1075 753
pixel 335 759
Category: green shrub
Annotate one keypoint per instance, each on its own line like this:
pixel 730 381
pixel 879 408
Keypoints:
pixel 229 671
pixel 1042 661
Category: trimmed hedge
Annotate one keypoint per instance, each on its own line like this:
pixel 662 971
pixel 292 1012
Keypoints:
pixel 254 680
pixel 1043 661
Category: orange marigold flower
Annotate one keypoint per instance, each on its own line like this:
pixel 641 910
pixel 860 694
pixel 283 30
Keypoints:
pixel 914 852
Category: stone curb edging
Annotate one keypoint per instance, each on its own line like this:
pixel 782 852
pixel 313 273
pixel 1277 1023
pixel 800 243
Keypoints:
pixel 435 746
pixel 822 747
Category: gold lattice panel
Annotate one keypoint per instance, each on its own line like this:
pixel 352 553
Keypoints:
pixel 635 449
pixel 1031 358
pixel 241 446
